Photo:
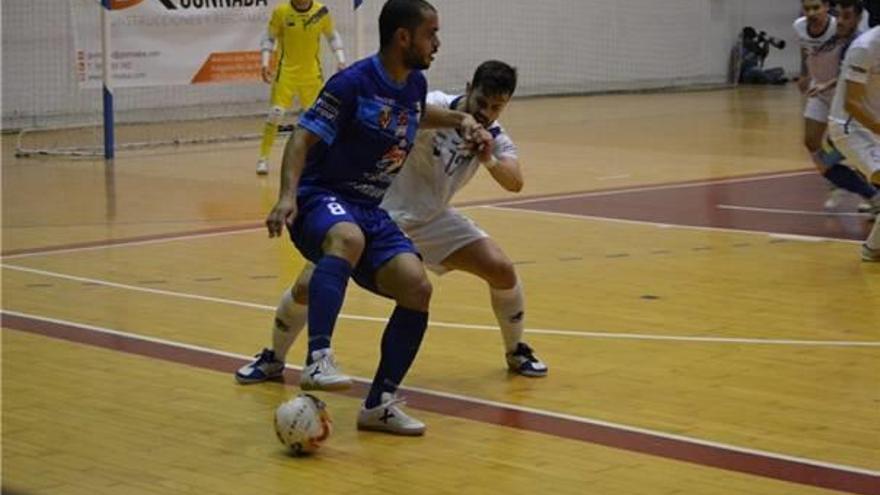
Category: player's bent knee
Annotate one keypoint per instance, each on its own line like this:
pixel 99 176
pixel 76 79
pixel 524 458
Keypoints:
pixel 345 243
pixel 300 289
pixel 501 274
pixel 417 296
pixel 300 292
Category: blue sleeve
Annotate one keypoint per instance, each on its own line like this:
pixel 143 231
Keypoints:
pixel 423 91
pixel 333 109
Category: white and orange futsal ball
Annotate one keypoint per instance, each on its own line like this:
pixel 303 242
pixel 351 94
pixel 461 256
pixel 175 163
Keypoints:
pixel 303 424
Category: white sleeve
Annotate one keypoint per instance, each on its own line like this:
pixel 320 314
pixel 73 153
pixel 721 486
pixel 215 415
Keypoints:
pixel 335 41
pixel 267 44
pixel 438 99
pixel 504 146
pixel 857 65
pixel 799 29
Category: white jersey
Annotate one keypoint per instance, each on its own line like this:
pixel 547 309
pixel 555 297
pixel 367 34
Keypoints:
pixel 861 65
pixel 812 43
pixel 823 52
pixel 436 169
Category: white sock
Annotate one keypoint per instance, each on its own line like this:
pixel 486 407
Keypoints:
pixel 873 240
pixel 509 309
pixel 290 318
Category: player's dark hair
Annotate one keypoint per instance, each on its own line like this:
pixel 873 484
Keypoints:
pixel 397 14
pixel 495 78
pixel 850 4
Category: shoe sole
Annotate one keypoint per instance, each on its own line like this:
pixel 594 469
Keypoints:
pixel 248 381
pixel 402 433
pixel 528 374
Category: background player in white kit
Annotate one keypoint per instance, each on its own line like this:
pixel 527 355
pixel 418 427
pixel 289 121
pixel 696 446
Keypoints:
pixel 853 125
pixel 824 39
pixel 418 201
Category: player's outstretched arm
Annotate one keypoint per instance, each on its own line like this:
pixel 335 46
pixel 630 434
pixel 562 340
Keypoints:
pixel 292 165
pixel 856 105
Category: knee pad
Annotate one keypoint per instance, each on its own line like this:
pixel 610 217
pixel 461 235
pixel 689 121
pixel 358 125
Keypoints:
pixel 276 114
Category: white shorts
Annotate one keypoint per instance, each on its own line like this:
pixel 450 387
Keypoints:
pixel 445 234
pixel 817 109
pixel 860 147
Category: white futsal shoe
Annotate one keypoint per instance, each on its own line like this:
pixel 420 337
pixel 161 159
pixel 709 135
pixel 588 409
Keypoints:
pixel 388 417
pixel 323 373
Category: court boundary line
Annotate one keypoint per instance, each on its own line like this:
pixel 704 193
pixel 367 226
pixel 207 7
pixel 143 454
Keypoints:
pixel 662 225
pixel 647 188
pixel 659 444
pixel 466 326
pixel 168 237
pixel 785 211
pixel 131 241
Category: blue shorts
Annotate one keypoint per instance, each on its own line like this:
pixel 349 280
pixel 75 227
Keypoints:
pixel 319 210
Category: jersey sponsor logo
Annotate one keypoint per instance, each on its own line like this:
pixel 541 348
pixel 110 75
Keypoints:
pixel 402 124
pixel 327 106
pixel 211 4
pixel 391 162
pixel 385 117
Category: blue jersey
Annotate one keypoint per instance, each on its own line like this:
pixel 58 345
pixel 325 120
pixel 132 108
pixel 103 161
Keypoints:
pixel 367 124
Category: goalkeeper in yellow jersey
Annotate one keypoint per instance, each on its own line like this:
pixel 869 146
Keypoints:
pixel 294 32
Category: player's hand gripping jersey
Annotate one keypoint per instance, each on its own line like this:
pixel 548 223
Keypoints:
pixel 437 169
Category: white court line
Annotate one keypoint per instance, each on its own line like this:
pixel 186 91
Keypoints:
pixel 779 235
pixel 476 400
pixel 502 203
pixel 441 324
pixel 793 212
pixel 182 237
pixel 661 187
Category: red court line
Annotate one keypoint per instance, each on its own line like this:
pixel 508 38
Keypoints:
pixel 699 205
pixel 174 235
pixel 549 197
pixel 129 240
pixel 716 456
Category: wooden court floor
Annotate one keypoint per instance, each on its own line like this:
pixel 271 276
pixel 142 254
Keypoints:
pixel 709 328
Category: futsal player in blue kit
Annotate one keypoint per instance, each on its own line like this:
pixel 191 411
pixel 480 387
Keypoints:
pixel 336 168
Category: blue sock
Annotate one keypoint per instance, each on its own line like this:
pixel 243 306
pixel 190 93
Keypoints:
pixel 326 293
pixel 846 178
pixel 400 344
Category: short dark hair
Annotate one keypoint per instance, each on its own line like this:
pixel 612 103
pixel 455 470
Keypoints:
pixel 396 14
pixel 850 4
pixel 495 78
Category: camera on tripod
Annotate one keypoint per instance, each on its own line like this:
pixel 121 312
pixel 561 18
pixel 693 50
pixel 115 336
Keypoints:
pixel 774 42
pixel 750 53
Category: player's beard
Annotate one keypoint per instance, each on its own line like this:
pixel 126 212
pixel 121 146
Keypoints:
pixel 416 61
